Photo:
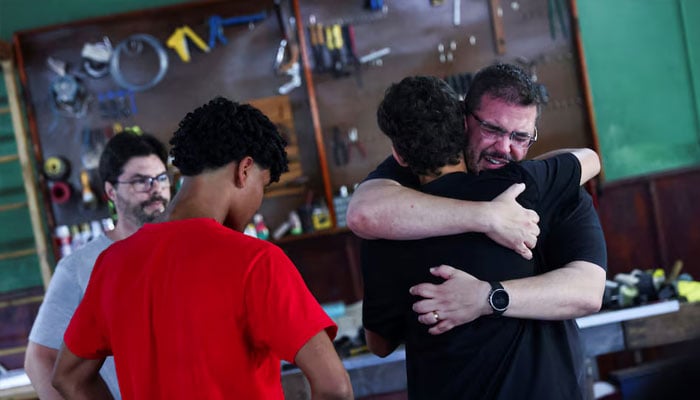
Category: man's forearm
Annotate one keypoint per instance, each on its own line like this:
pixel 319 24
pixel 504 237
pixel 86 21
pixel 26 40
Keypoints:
pixel 569 292
pixel 381 208
pixel 38 365
pixel 85 390
pixel 78 378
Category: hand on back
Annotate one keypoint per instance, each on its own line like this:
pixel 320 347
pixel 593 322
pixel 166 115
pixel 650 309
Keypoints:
pixel 512 225
pixel 458 300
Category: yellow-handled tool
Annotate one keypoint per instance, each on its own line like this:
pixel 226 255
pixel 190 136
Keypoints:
pixel 178 42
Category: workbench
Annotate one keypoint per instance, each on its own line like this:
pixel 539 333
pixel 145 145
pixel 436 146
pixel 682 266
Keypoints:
pixel 601 333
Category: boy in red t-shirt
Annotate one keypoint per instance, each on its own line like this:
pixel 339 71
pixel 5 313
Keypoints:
pixel 191 307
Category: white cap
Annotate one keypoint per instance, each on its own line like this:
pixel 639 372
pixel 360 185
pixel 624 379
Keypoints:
pixel 62 231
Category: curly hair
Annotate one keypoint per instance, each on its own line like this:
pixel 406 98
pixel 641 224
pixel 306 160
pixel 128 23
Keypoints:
pixel 506 82
pixel 123 147
pixel 424 119
pixel 223 131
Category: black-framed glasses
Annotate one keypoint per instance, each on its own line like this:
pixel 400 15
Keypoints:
pixel 145 183
pixel 520 139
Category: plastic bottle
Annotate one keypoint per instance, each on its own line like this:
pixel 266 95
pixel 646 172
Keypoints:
pixel 295 221
pixel 107 224
pixel 63 235
pixel 340 205
pixel 85 232
pixel 96 228
pixel 76 238
pixel 320 216
pixel 250 230
pixel 260 229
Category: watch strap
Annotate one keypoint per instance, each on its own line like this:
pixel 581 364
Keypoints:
pixel 496 288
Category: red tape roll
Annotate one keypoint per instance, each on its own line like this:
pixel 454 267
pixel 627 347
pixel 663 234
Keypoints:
pixel 60 192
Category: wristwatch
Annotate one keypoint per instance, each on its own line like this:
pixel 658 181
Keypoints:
pixel 498 299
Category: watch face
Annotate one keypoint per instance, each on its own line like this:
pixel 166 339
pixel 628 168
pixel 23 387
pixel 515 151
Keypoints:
pixel 499 299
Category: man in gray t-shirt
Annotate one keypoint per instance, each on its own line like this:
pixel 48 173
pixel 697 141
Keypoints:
pixel 67 287
pixel 133 170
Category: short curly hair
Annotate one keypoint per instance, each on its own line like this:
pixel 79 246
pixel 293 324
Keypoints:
pixel 123 147
pixel 505 82
pixel 424 119
pixel 223 131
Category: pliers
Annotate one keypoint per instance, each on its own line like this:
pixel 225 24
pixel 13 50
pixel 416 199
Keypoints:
pixel 340 148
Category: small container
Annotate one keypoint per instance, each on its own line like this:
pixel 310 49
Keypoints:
pixel 260 227
pixel 340 205
pixel 250 230
pixel 320 217
pixel 63 235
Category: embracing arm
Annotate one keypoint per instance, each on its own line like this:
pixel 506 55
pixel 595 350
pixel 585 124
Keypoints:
pixel 324 370
pixel 589 159
pixel 569 292
pixel 564 293
pixel 382 208
pixel 79 378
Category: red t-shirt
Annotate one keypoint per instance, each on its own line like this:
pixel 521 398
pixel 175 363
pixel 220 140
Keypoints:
pixel 193 310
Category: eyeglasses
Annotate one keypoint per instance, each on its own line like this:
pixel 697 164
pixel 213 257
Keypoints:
pixel 520 139
pixel 145 183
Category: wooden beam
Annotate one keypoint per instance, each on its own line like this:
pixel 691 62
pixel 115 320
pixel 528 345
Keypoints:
pixel 12 206
pixel 585 82
pixel 8 158
pixel 499 36
pixel 315 118
pixel 12 351
pixel 9 255
pixel 21 301
pixel 28 172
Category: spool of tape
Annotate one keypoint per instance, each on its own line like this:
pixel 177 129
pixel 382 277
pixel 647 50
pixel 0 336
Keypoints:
pixel 60 192
pixel 56 168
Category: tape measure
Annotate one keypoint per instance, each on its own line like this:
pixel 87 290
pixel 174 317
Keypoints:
pixel 56 168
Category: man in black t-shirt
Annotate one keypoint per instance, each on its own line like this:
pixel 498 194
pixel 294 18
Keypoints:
pixel 501 108
pixel 486 358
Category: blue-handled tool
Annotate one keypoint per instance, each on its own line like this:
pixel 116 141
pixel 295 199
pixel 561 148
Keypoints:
pixel 217 24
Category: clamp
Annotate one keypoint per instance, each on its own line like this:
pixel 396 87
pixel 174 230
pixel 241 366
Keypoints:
pixel 289 50
pixel 374 5
pixel 217 24
pixel 96 57
pixel 295 82
pixel 178 42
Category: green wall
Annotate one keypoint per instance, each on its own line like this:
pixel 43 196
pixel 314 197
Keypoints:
pixel 18 15
pixel 643 65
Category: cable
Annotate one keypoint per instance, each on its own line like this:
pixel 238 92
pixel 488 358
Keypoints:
pixel 162 59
